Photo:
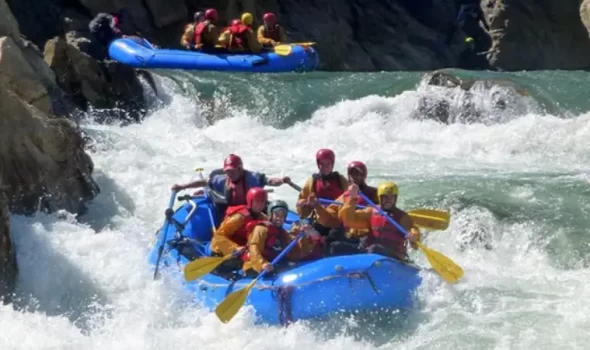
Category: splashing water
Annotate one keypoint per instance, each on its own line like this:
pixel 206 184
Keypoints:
pixel 516 181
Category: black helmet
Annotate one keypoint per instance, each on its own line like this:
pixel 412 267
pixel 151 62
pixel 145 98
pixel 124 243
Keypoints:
pixel 198 16
pixel 274 205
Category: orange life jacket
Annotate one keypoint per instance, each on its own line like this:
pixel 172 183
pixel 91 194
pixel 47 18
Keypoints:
pixel 386 234
pixel 239 36
pixel 199 29
pixel 273 245
pixel 241 236
pixel 329 187
pixel 274 33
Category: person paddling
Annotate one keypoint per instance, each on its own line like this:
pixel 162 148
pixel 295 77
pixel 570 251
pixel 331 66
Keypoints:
pixel 382 237
pixel 357 174
pixel 232 235
pixel 233 182
pixel 268 239
pixel 270 33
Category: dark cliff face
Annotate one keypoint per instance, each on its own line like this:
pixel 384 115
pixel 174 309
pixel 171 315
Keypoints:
pixel 359 35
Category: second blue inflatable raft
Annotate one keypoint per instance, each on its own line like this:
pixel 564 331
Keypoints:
pixel 141 54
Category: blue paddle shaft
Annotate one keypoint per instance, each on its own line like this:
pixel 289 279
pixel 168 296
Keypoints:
pixel 283 253
pixel 389 218
pixel 327 201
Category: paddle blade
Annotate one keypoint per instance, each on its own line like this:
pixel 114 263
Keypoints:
pixel 283 50
pixel 444 266
pixel 430 219
pixel 201 267
pixel 230 306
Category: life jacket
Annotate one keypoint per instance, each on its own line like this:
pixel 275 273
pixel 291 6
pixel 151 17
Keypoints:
pixel 329 187
pixel 367 190
pixel 219 182
pixel 199 29
pixel 274 33
pixel 240 237
pixel 239 36
pixel 386 234
pixel 273 246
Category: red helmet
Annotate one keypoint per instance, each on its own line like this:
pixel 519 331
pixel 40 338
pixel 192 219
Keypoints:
pixel 325 153
pixel 236 22
pixel 270 17
pixel 255 194
pixel 360 166
pixel 232 162
pixel 211 14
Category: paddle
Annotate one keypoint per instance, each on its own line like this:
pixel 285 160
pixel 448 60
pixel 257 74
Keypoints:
pixel 230 306
pixel 424 218
pixel 283 50
pixel 169 214
pixel 297 188
pixel 444 266
pixel 311 43
pixel 202 266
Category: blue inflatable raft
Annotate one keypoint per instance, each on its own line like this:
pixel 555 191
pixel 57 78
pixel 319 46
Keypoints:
pixel 307 290
pixel 141 54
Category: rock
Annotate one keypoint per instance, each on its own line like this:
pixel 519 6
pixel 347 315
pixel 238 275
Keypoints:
pixel 488 101
pixel 38 20
pixel 167 12
pixel 8 24
pixel 102 85
pixel 96 6
pixel 368 35
pixel 29 82
pixel 140 16
pixel 585 14
pixel 42 161
pixel 8 267
pixel 537 35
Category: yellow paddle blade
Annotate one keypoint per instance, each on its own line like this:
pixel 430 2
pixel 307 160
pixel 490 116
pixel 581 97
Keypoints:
pixel 201 267
pixel 230 306
pixel 283 50
pixel 430 219
pixel 444 266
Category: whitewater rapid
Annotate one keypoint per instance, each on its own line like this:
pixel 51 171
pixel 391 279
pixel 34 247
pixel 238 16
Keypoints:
pixel 86 284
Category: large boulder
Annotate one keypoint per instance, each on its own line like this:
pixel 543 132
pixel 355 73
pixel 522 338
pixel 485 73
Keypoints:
pixel 537 35
pixel 38 20
pixel 42 160
pixel 364 35
pixel 91 83
pixel 30 82
pixel 167 12
pixel 8 24
pixel 585 14
pixel 8 267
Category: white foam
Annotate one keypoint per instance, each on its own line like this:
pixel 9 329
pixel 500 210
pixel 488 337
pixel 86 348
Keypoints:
pixel 88 284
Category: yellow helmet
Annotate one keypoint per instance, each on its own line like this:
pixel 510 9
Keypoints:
pixel 247 18
pixel 387 188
